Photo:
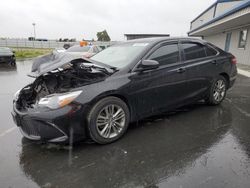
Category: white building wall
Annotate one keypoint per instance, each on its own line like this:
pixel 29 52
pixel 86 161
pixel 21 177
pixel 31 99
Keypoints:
pixel 222 7
pixel 203 18
pixel 218 40
pixel 242 55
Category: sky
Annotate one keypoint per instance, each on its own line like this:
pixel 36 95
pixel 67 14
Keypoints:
pixel 84 18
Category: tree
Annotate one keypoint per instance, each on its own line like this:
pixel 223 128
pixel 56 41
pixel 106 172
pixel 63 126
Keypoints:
pixel 103 36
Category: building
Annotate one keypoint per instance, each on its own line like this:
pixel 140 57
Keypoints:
pixel 226 23
pixel 141 36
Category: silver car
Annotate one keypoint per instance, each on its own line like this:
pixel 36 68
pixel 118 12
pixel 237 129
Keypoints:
pixel 83 51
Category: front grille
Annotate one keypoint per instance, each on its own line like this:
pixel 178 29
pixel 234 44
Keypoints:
pixel 29 128
pixel 4 59
pixel 39 129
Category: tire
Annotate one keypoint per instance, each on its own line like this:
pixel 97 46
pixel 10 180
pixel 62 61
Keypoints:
pixel 108 120
pixel 13 63
pixel 218 86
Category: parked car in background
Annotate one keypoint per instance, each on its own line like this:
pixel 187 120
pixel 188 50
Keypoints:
pixel 76 51
pixel 66 46
pixel 7 56
pixel 97 98
pixel 85 51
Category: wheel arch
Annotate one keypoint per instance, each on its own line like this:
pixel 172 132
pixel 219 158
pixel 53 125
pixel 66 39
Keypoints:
pixel 113 94
pixel 226 76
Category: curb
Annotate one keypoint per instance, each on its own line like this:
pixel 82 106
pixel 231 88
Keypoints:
pixel 243 72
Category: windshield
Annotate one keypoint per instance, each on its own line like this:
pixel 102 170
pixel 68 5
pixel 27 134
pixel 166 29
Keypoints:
pixel 120 55
pixel 78 49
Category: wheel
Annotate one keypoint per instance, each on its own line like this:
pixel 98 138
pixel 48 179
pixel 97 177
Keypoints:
pixel 217 91
pixel 13 63
pixel 108 120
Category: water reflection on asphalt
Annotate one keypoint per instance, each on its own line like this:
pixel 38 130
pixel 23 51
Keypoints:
pixel 196 146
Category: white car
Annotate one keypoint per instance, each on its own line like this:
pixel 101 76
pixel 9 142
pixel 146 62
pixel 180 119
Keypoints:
pixel 85 51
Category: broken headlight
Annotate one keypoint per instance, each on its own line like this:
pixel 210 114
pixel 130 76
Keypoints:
pixel 56 101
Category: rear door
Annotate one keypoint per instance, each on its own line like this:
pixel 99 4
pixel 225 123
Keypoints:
pixel 162 88
pixel 200 63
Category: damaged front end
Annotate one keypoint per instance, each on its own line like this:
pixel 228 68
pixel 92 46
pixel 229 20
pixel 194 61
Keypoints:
pixel 70 76
pixel 42 109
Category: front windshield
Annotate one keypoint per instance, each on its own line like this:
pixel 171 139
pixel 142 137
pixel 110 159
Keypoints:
pixel 78 49
pixel 120 55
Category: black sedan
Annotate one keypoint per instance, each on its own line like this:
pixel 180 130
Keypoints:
pixel 7 56
pixel 97 98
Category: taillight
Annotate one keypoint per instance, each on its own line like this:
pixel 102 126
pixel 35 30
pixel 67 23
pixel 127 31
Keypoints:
pixel 234 60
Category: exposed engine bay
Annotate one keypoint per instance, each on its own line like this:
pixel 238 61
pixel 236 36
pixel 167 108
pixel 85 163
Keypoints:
pixel 75 74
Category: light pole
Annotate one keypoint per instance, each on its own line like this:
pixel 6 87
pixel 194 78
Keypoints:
pixel 34 26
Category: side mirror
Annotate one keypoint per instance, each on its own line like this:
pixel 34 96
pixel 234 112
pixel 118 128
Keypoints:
pixel 148 65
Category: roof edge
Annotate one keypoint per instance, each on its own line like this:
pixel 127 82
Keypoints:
pixel 238 8
pixel 211 6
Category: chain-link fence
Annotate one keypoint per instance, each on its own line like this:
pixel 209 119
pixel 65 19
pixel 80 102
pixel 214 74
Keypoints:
pixel 24 43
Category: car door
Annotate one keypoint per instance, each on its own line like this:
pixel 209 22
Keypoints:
pixel 200 68
pixel 162 88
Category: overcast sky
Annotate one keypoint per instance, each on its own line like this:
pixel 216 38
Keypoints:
pixel 83 18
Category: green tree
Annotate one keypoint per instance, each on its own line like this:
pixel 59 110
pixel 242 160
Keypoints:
pixel 103 36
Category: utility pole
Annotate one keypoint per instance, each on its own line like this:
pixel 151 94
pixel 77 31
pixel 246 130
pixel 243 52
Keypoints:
pixel 34 26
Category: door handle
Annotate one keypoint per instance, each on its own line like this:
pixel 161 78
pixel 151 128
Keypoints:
pixel 181 70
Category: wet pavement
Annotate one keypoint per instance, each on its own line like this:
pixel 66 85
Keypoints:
pixel 196 146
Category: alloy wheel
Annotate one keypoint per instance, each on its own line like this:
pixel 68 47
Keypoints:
pixel 110 121
pixel 219 90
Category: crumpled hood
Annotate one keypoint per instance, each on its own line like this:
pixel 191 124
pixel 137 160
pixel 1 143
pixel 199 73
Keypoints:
pixel 49 63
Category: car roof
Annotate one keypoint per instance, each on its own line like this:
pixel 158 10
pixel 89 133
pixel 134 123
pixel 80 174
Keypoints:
pixel 161 39
pixel 4 48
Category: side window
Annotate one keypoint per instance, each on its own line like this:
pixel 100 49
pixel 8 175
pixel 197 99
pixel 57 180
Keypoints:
pixel 167 54
pixel 193 51
pixel 210 51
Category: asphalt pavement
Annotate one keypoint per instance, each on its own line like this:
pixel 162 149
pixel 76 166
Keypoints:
pixel 195 146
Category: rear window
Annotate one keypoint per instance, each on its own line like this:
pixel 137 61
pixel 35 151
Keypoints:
pixel 193 51
pixel 210 51
pixel 5 50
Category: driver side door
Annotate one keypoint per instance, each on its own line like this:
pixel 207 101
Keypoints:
pixel 162 88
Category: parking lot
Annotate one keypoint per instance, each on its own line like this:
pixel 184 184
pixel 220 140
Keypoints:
pixel 196 146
